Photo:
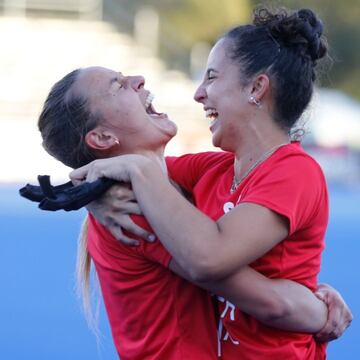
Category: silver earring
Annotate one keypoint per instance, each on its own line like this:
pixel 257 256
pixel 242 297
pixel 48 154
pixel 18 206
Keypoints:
pixel 254 101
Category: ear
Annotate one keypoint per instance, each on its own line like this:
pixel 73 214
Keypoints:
pixel 100 139
pixel 260 86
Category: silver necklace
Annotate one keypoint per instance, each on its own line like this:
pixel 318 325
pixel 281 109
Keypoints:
pixel 235 183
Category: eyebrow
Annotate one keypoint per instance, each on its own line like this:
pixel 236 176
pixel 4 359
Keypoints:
pixel 116 79
pixel 209 70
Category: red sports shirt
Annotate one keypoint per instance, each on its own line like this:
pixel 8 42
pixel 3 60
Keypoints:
pixel 153 313
pixel 292 184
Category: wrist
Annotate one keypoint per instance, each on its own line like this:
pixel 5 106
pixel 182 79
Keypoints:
pixel 143 170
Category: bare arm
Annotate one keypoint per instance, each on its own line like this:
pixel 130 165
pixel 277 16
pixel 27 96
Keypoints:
pixel 210 250
pixel 278 303
pixel 210 256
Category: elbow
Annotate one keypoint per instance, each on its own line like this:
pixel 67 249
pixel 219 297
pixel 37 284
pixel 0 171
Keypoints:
pixel 205 264
pixel 203 271
pixel 275 312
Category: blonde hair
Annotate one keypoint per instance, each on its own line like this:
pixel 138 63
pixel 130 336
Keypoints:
pixel 84 277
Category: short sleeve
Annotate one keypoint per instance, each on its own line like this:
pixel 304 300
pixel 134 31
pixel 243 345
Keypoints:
pixel 153 251
pixel 293 186
pixel 188 169
pixel 109 251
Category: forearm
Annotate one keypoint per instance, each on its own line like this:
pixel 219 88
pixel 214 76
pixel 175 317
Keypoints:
pixel 278 303
pixel 305 313
pixel 209 249
pixel 190 236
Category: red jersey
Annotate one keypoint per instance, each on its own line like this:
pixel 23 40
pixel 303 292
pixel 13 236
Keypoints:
pixel 153 313
pixel 292 184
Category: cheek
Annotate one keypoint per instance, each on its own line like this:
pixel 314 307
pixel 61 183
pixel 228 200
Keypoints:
pixel 127 111
pixel 235 102
pixel 222 95
pixel 214 91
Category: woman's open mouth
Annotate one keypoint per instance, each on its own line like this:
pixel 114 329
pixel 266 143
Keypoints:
pixel 149 108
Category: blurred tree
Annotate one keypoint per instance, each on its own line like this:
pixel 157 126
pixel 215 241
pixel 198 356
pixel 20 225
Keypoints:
pixel 185 22
pixel 205 20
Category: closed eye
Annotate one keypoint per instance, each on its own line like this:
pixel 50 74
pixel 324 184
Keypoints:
pixel 118 80
pixel 211 74
pixel 121 82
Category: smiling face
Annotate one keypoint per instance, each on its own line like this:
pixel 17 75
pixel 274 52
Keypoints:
pixel 124 108
pixel 225 99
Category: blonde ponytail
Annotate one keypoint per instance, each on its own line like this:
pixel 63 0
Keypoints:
pixel 83 280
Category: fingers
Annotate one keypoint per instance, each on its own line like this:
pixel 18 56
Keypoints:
pixel 320 294
pixel 77 182
pixel 332 329
pixel 331 335
pixel 122 207
pixel 119 235
pixel 118 168
pixel 339 314
pixel 89 172
pixel 121 190
pixel 120 199
pixel 112 210
pixel 129 225
pixel 118 223
pixel 79 175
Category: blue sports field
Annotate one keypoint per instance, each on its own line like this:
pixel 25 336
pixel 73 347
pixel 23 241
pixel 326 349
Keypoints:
pixel 41 317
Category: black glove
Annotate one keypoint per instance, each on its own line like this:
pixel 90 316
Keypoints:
pixel 66 196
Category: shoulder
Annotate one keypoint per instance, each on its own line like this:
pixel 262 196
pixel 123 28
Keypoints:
pixel 292 161
pixel 188 169
pixel 101 240
pixel 201 157
pixel 105 248
pixel 291 183
pixel 292 170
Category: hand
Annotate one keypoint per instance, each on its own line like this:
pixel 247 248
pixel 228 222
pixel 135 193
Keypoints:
pixel 339 315
pixel 112 210
pixel 119 168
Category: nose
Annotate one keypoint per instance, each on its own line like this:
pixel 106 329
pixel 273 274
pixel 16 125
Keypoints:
pixel 137 82
pixel 200 94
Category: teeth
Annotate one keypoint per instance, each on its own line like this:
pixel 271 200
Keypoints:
pixel 149 100
pixel 211 113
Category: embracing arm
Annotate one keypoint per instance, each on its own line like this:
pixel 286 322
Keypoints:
pixel 278 303
pixel 209 250
pixel 203 246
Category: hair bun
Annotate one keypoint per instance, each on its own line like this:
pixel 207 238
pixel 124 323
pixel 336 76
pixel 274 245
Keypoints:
pixel 311 30
pixel 301 30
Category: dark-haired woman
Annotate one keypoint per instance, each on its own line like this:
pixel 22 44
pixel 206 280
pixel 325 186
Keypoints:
pixel 265 198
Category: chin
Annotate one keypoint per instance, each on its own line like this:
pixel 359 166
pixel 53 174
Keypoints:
pixel 171 129
pixel 216 140
pixel 168 135
pixel 224 141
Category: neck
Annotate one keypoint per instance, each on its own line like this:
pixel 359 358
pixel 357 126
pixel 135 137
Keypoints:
pixel 156 155
pixel 254 150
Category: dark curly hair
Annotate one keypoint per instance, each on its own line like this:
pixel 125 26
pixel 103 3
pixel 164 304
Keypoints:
pixel 286 46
